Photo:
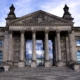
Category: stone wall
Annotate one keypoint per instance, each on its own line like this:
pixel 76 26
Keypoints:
pixel 16 48
pixel 63 48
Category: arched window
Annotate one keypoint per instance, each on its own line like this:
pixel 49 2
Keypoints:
pixel 1 57
pixel 78 56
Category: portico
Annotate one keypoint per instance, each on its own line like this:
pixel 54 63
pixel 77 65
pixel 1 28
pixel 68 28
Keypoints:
pixel 34 34
pixel 45 27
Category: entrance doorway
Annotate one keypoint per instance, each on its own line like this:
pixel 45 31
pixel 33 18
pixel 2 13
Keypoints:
pixel 40 56
pixel 39 53
pixel 28 52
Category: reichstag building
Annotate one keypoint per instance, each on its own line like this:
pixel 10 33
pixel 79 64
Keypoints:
pixel 39 39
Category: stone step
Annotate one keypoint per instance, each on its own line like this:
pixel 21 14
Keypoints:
pixel 40 73
pixel 41 69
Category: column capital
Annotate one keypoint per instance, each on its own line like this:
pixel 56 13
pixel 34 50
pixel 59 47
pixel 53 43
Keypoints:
pixel 33 30
pixel 72 31
pixel 69 31
pixel 58 31
pixel 10 31
pixel 22 31
pixel 46 30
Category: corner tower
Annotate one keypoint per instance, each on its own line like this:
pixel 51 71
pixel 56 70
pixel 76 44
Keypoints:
pixel 67 14
pixel 11 14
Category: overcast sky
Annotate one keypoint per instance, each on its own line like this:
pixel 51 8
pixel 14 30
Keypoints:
pixel 55 7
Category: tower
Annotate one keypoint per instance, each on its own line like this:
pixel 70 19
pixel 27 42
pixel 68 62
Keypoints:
pixel 67 14
pixel 11 15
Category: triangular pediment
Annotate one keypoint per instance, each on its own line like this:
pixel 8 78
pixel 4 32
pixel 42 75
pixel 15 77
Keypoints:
pixel 39 18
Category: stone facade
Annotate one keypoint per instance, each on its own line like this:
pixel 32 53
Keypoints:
pixel 59 29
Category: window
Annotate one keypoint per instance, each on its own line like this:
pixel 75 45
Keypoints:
pixel 0 42
pixel 1 57
pixel 78 56
pixel 78 42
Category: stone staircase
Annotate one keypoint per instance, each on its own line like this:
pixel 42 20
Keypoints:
pixel 40 73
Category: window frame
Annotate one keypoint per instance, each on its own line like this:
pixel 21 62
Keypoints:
pixel 78 43
pixel 1 57
pixel 78 56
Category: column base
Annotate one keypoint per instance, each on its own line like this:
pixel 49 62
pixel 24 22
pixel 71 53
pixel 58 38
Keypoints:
pixel 60 64
pixel 47 63
pixel 21 64
pixel 76 67
pixel 71 63
pixel 10 62
pixel 33 64
pixel 6 67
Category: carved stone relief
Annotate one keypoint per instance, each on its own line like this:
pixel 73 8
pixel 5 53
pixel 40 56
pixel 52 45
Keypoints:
pixel 39 19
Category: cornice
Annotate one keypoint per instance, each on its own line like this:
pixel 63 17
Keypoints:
pixel 3 29
pixel 43 24
pixel 76 29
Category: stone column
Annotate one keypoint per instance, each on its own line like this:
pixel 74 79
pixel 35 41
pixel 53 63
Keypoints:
pixel 22 52
pixel 59 62
pixel 56 55
pixel 72 47
pixel 6 44
pixel 33 64
pixel 10 56
pixel 67 50
pixel 47 61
